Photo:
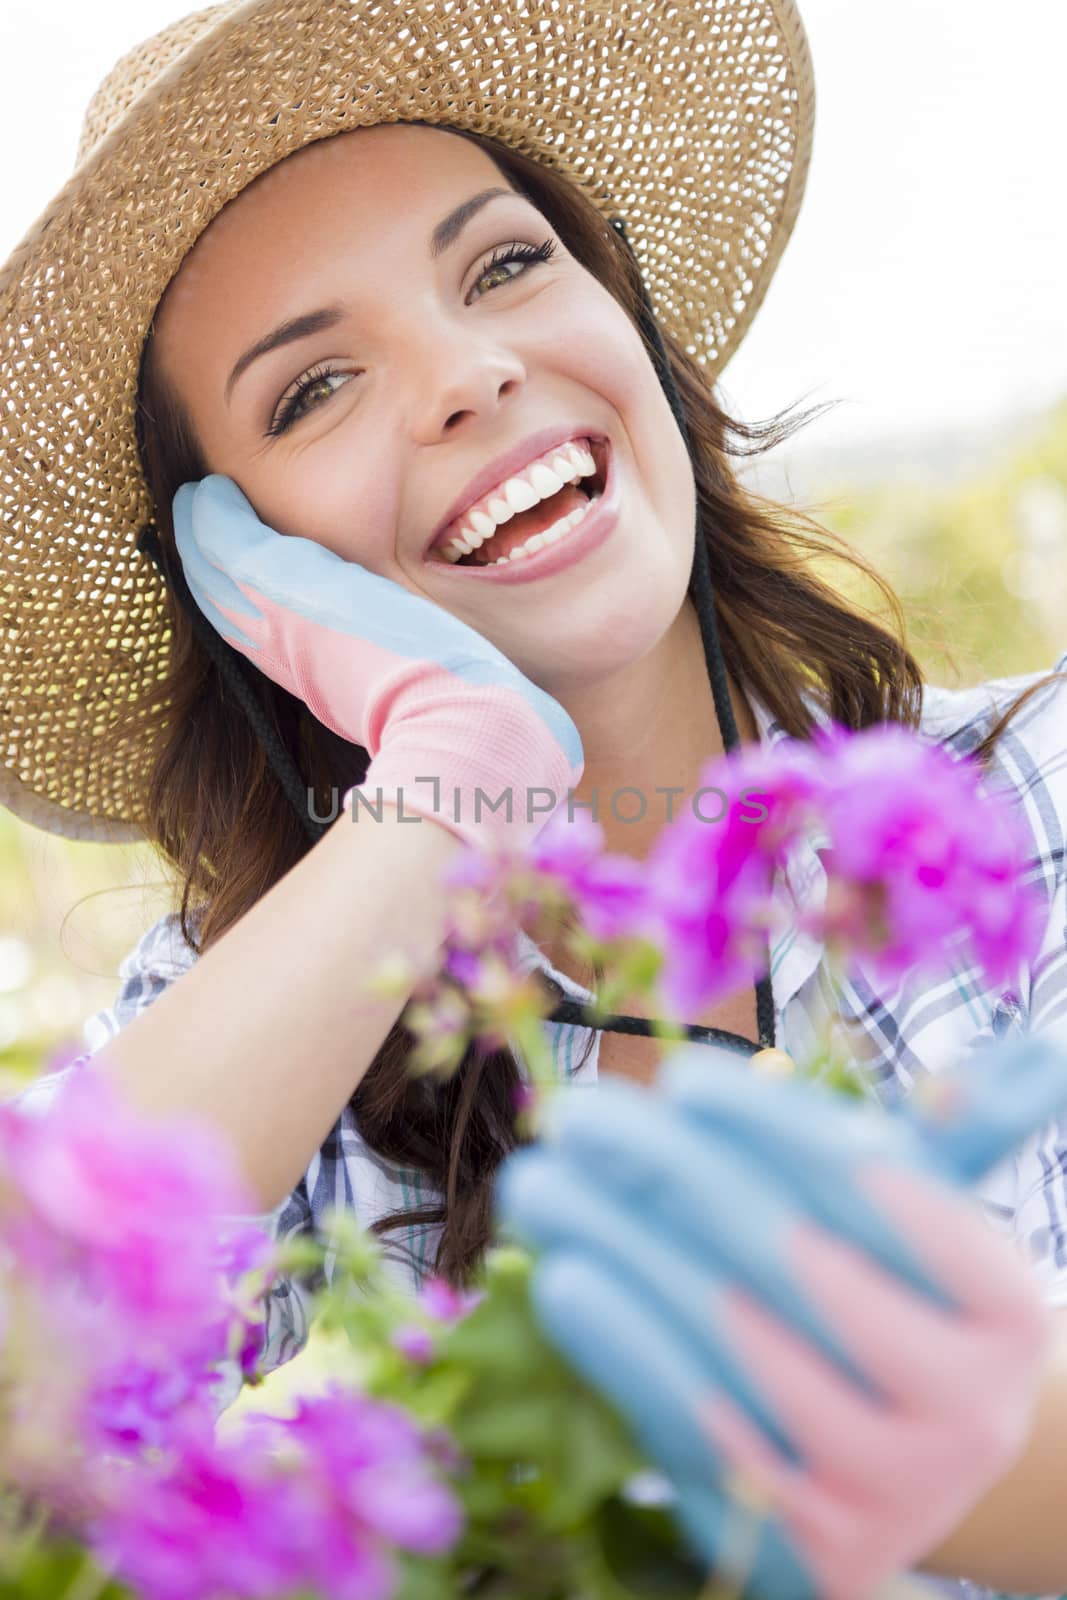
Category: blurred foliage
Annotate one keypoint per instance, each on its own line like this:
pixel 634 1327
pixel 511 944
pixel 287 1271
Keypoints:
pixel 69 912
pixel 980 567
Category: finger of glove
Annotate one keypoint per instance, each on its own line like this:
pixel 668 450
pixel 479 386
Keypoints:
pixel 229 534
pixel 748 1550
pixel 847 1542
pixel 980 1270
pixel 604 1331
pixel 925 1362
pixel 917 1355
pixel 791 1107
pixel 214 591
pixel 602 1327
pixel 728 1201
pixel 300 576
pixel 814 1145
pixel 972 1118
pixel 554 1208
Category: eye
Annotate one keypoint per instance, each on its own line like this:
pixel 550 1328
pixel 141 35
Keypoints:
pixel 291 407
pixel 528 254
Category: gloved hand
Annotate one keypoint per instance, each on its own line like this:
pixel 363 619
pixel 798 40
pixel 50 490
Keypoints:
pixel 780 1288
pixel 426 695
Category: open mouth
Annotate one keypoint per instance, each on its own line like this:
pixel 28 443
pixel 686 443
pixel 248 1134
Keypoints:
pixel 546 522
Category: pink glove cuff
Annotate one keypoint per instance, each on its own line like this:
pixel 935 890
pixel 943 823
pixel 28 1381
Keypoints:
pixel 495 792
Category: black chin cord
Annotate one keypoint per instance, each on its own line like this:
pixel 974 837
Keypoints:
pixel 240 677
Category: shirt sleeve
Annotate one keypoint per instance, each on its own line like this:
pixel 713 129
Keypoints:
pixel 1036 756
pixel 155 963
pixel 1040 1220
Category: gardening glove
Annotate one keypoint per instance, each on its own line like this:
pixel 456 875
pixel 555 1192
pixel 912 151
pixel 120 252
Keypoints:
pixel 811 1330
pixel 426 695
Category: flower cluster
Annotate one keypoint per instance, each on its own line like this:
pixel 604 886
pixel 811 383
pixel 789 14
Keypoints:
pixel 922 864
pixel 125 1246
pixel 129 1284
pixel 314 1503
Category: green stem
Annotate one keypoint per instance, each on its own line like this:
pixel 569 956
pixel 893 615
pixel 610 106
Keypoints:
pixel 27 1523
pixel 529 1035
pixel 89 1581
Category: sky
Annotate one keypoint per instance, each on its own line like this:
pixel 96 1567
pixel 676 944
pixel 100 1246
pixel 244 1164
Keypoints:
pixel 923 285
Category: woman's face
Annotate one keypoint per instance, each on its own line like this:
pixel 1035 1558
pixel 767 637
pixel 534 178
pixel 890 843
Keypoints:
pixel 438 367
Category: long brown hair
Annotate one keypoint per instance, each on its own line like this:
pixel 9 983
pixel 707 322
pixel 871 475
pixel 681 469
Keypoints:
pixel 219 815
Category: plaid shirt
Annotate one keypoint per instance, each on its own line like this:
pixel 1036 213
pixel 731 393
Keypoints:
pixel 897 1036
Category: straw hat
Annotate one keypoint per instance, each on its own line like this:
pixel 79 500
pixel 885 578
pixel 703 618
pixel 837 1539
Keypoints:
pixel 690 121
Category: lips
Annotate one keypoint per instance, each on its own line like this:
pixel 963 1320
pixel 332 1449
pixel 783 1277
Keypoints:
pixel 498 471
pixel 592 532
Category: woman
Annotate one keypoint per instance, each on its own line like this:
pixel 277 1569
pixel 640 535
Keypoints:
pixel 286 388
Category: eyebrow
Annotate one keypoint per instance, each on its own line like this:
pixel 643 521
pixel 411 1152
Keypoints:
pixel 443 237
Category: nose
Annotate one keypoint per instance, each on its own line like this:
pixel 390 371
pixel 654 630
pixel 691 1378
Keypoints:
pixel 457 376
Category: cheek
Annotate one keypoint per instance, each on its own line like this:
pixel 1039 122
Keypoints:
pixel 618 365
pixel 320 497
pixel 607 348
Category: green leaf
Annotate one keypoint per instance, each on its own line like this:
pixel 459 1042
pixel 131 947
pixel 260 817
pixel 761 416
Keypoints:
pixel 50 1571
pixel 527 1406
pixel 644 1552
pixel 424 1579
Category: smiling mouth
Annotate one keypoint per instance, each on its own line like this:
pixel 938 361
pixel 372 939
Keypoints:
pixel 556 512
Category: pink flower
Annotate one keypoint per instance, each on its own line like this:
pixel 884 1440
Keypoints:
pixel 134 1402
pixel 925 861
pixel 125 1255
pixel 444 1305
pixel 472 869
pixel 371 1459
pixel 139 1205
pixel 566 844
pixel 710 873
pixel 314 1503
pixel 609 890
pixel 414 1342
pixel 464 966
pixel 441 1301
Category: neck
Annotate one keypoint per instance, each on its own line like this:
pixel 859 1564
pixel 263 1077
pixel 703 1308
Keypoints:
pixel 651 727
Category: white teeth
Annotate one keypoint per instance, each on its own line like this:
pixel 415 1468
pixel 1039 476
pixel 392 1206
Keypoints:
pixel 559 530
pixel 545 481
pixel 569 466
pixel 519 495
pixel 483 524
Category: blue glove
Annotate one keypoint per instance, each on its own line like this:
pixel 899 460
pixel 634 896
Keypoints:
pixel 703 1240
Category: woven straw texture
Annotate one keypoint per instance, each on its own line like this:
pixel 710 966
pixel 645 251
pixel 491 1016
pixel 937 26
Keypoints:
pixel 692 122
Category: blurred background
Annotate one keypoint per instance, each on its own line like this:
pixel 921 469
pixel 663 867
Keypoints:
pixel 921 291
